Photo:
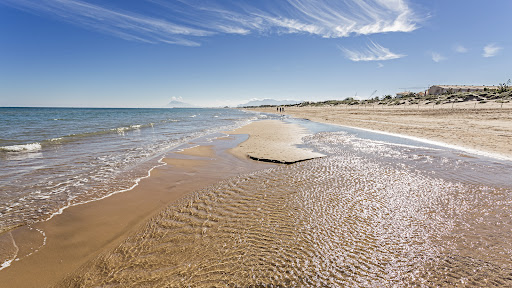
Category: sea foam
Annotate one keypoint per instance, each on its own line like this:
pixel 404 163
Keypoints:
pixel 22 148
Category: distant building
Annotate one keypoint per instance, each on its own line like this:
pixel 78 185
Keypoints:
pixel 402 94
pixel 442 89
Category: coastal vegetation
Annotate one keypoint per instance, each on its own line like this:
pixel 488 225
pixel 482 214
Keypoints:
pixel 501 95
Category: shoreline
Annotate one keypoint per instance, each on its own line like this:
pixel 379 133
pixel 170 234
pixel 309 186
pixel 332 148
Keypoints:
pixel 77 237
pixel 77 234
pixel 264 228
pixel 486 132
pixel 81 232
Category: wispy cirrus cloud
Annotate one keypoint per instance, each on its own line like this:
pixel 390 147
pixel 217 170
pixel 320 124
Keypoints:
pixel 184 22
pixel 372 52
pixel 335 19
pixel 123 24
pixel 491 50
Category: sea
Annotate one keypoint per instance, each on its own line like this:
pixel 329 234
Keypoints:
pixel 54 158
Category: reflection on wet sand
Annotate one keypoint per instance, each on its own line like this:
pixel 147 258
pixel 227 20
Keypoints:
pixel 343 220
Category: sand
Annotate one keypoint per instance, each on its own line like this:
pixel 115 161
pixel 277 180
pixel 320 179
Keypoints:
pixel 273 141
pixel 82 232
pixel 483 129
pixel 346 220
pixel 200 151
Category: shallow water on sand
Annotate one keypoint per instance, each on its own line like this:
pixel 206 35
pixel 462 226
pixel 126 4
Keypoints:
pixel 369 214
pixel 53 158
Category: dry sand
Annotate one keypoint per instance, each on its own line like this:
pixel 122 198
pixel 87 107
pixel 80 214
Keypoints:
pixel 273 141
pixel 483 129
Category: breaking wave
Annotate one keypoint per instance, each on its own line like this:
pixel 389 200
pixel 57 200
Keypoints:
pixel 22 148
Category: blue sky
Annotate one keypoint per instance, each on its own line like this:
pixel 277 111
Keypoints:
pixel 144 53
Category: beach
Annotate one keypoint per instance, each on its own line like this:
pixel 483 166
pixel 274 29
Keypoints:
pixel 349 210
pixel 81 232
pixel 94 175
pixel 296 143
pixel 486 128
pixel 51 249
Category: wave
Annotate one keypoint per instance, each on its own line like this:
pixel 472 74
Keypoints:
pixel 118 130
pixel 121 130
pixel 57 187
pixel 22 147
pixel 73 137
pixel 31 147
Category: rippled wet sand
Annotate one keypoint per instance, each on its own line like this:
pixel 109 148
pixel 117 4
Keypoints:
pixel 346 220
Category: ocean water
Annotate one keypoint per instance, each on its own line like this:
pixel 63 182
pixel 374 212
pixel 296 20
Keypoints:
pixel 51 158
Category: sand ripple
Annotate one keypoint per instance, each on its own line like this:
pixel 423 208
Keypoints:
pixel 339 221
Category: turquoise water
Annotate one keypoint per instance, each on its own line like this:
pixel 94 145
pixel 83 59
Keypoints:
pixel 51 158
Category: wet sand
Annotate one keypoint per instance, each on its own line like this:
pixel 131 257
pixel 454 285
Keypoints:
pixel 486 128
pixel 82 232
pixel 373 215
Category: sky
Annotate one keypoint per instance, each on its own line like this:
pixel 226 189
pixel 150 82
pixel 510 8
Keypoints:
pixel 145 53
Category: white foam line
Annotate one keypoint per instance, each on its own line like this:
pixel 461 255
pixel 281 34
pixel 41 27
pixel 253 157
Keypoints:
pixel 137 181
pixel 434 142
pixel 7 263
pixel 403 145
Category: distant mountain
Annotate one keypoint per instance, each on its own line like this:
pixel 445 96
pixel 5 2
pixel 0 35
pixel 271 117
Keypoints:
pixel 179 104
pixel 269 102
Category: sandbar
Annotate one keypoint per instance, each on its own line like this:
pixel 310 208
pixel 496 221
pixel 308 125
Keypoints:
pixel 273 141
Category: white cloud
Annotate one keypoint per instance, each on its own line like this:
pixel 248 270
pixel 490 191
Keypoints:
pixel 436 57
pixel 334 19
pixel 491 50
pixel 176 98
pixel 125 25
pixel 183 22
pixel 372 52
pixel 460 49
pixel 380 65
